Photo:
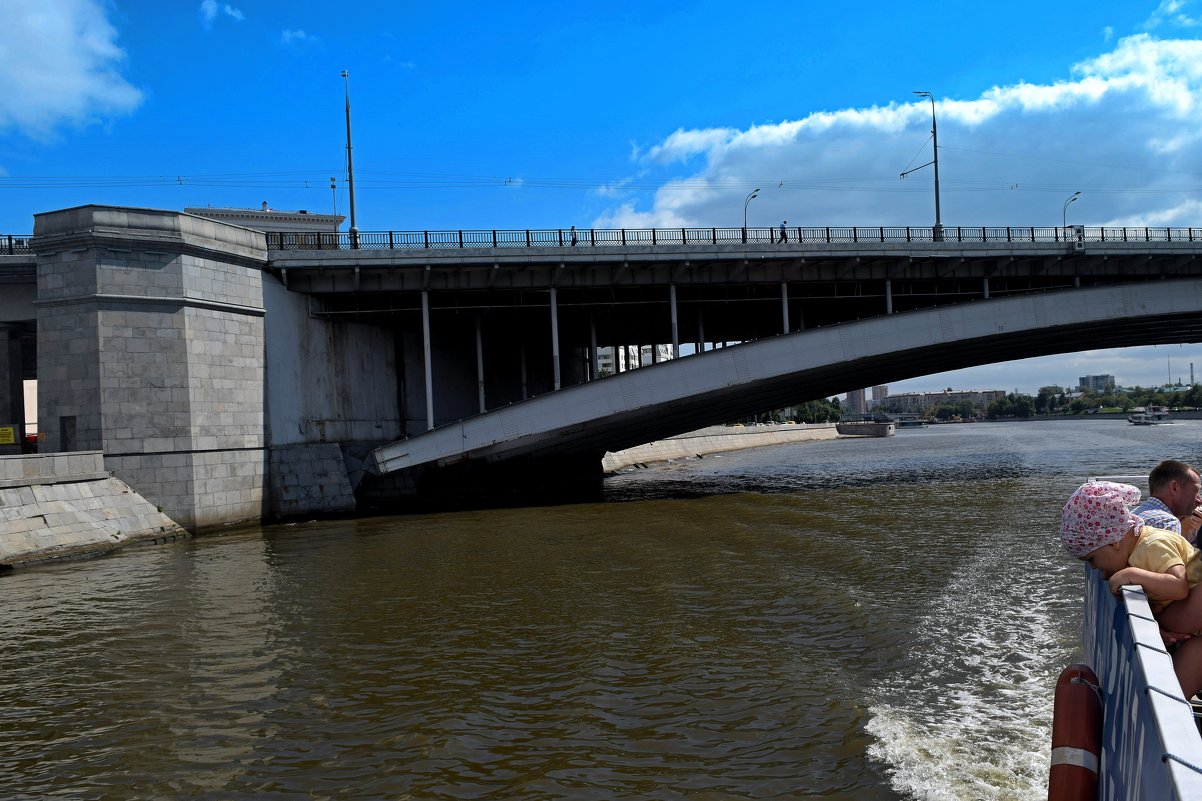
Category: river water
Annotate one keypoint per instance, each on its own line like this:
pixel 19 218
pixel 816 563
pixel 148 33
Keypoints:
pixel 869 619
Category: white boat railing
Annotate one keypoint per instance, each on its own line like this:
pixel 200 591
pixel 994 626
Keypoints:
pixel 1150 743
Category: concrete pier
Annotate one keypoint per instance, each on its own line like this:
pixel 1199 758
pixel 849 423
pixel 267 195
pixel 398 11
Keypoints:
pixel 153 339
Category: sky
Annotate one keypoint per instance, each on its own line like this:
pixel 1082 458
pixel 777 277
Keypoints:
pixel 473 115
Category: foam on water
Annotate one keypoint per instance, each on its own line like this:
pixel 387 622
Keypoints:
pixel 974 720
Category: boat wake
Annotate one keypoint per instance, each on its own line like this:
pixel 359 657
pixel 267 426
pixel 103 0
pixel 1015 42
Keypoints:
pixel 971 717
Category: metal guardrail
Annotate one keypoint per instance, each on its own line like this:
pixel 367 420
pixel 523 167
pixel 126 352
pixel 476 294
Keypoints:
pixel 625 237
pixel 12 245
pixel 1151 744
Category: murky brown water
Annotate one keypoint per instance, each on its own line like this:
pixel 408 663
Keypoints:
pixel 882 619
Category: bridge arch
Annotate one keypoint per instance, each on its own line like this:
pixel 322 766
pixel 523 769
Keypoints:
pixel 583 421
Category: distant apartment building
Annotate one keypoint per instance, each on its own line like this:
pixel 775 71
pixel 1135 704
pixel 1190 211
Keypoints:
pixel 628 357
pixel 855 401
pixel 1096 383
pixel 919 402
pixel 300 228
pixel 879 393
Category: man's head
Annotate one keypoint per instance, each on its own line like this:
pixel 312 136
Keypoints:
pixel 1177 485
pixel 1096 515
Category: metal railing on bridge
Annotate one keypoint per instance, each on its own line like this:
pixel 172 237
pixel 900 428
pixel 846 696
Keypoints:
pixel 624 237
pixel 12 245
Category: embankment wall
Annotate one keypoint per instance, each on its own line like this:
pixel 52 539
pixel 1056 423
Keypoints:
pixel 64 505
pixel 716 439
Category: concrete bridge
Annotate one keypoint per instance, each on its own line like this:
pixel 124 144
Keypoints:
pixel 230 375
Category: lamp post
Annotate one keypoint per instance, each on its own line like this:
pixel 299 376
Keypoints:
pixel 937 231
pixel 752 196
pixel 350 164
pixel 1064 212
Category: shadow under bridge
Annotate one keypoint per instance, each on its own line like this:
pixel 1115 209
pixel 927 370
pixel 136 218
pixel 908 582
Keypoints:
pixel 577 425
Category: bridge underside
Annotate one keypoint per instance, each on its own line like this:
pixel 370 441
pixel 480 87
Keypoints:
pixel 617 296
pixel 578 424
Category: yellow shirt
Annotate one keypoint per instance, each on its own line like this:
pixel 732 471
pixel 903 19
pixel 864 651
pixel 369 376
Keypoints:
pixel 1158 550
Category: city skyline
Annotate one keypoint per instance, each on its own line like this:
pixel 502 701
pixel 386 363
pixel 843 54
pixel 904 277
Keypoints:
pixel 484 116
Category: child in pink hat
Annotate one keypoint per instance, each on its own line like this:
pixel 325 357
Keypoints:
pixel 1098 527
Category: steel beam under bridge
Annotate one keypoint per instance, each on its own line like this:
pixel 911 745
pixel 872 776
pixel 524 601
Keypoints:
pixel 720 385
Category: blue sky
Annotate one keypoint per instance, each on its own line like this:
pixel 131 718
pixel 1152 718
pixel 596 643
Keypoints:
pixel 506 115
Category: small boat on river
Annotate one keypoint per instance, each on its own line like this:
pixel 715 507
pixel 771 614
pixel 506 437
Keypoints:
pixel 866 428
pixel 1148 416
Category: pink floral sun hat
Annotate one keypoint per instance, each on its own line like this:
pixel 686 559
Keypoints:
pixel 1096 515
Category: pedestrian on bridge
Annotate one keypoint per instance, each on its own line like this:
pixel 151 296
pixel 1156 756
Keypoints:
pixel 784 237
pixel 573 236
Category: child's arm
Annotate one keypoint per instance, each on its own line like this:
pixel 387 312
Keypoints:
pixel 1169 586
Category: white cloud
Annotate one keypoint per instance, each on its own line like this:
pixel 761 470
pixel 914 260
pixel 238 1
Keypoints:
pixel 295 37
pixel 60 65
pixel 211 9
pixel 1172 12
pixel 1120 127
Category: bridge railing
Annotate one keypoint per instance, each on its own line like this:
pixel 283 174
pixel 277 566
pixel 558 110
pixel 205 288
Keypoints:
pixel 12 245
pixel 625 237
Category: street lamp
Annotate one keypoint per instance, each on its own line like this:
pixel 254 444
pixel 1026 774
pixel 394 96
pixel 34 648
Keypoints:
pixel 752 196
pixel 350 164
pixel 937 231
pixel 1064 212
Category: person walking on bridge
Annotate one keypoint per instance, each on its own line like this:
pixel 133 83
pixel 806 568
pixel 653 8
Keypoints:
pixel 784 237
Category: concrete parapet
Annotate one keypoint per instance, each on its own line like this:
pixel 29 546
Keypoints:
pixel 716 439
pixel 60 505
pixel 51 468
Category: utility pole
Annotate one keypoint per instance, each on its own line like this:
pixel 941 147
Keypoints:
pixel 937 231
pixel 350 164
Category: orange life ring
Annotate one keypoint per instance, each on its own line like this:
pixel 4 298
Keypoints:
pixel 1076 736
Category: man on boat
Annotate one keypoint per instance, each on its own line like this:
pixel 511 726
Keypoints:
pixel 1175 493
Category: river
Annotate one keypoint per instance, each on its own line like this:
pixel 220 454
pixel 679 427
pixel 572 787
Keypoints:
pixel 869 619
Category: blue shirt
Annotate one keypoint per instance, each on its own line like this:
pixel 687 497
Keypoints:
pixel 1157 515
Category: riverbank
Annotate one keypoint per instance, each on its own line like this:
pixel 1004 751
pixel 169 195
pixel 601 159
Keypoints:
pixel 716 439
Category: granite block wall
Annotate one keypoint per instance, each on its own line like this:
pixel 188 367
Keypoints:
pixel 151 348
pixel 309 478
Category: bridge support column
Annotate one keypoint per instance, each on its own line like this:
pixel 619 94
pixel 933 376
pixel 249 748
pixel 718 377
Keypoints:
pixel 784 306
pixel 888 296
pixel 426 360
pixel 592 348
pixel 525 380
pixel 675 333
pixel 480 366
pixel 555 337
pixel 985 287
